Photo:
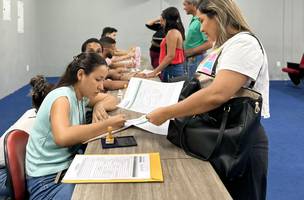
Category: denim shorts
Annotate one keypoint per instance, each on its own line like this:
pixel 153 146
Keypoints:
pixel 173 71
pixel 4 190
pixel 45 188
pixel 192 64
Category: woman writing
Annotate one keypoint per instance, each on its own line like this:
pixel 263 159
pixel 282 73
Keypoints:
pixel 59 129
pixel 241 61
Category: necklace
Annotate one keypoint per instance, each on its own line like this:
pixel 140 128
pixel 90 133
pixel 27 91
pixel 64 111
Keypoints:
pixel 81 114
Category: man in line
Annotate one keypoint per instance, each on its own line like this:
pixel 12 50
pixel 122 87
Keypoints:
pixel 196 43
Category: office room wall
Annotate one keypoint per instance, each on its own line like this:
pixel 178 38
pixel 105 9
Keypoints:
pixel 280 26
pixel 54 31
pixel 17 49
pixel 65 25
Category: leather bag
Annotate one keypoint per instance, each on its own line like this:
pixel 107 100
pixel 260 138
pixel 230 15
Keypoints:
pixel 221 136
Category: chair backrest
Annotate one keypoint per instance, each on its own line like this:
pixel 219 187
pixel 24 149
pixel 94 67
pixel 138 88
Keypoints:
pixel 14 149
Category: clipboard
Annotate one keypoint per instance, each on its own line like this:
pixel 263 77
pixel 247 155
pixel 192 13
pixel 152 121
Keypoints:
pixel 156 174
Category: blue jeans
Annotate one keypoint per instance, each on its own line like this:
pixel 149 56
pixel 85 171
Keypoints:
pixel 172 71
pixel 192 64
pixel 4 190
pixel 44 188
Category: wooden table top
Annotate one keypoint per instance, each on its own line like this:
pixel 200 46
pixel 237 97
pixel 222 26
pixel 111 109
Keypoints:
pixel 184 177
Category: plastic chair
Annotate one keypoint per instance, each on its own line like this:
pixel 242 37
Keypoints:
pixel 14 150
pixel 295 71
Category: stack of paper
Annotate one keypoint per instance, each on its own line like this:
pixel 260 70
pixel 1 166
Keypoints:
pixel 115 168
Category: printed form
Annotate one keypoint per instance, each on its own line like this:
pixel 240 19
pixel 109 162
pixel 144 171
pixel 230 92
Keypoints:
pixel 109 167
pixel 144 96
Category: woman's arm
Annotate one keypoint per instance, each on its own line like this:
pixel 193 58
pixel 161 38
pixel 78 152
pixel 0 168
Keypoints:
pixel 223 87
pixel 66 134
pixel 154 24
pixel 115 84
pixel 108 101
pixel 199 50
pixel 153 21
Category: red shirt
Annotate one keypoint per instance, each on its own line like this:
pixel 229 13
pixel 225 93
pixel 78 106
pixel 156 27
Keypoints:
pixel 179 53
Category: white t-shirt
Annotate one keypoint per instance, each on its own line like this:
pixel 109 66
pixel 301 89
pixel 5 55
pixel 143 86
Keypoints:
pixel 243 54
pixel 25 123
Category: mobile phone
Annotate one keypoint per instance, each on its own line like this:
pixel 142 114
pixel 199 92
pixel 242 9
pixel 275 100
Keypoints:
pixel 123 141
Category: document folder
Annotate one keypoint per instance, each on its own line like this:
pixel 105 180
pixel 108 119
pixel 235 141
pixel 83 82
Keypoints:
pixel 73 174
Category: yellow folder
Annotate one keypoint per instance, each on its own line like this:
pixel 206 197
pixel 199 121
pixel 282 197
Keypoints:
pixel 155 173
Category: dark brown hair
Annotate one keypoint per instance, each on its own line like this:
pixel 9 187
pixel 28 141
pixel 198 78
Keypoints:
pixel 40 88
pixel 86 61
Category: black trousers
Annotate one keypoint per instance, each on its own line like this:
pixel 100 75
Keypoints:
pixel 253 184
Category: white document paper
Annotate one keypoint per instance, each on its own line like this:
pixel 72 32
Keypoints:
pixel 130 122
pixel 109 167
pixel 145 95
pixel 160 130
pixel 143 123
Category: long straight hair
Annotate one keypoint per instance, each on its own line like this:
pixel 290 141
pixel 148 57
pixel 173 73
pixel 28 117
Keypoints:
pixel 227 14
pixel 173 20
pixel 86 61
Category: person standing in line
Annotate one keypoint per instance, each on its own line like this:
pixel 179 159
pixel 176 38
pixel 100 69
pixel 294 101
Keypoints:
pixel 172 58
pixel 156 40
pixel 196 43
pixel 241 61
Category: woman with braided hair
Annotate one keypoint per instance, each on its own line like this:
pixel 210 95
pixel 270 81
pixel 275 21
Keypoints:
pixel 40 88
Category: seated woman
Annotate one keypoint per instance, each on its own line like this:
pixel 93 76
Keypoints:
pixel 40 88
pixel 241 62
pixel 171 59
pixel 59 129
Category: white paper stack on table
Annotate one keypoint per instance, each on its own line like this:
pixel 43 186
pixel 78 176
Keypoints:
pixel 115 168
pixel 144 96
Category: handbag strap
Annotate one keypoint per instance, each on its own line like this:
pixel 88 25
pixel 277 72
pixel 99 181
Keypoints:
pixel 252 83
pixel 221 131
pixel 218 140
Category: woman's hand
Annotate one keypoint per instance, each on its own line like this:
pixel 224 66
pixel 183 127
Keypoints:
pixel 158 116
pixel 121 70
pixel 99 113
pixel 117 121
pixel 140 75
pixel 152 74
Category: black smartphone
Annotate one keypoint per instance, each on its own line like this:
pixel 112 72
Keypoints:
pixel 122 141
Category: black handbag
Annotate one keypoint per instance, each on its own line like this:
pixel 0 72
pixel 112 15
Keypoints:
pixel 221 136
